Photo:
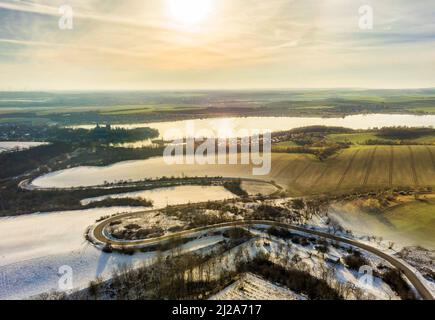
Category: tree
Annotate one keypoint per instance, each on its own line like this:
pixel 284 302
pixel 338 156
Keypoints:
pixel 298 204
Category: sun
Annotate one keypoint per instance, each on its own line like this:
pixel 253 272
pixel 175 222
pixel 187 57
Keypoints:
pixel 189 12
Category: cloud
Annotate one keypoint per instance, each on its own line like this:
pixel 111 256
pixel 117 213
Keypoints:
pixel 294 43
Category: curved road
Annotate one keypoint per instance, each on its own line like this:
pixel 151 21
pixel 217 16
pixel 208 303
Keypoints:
pixel 99 234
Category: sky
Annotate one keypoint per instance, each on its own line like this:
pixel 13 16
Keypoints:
pixel 216 44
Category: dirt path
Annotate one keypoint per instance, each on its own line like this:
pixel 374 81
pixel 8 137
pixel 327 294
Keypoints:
pixel 391 167
pixel 414 171
pixel 432 157
pixel 349 165
pixel 369 166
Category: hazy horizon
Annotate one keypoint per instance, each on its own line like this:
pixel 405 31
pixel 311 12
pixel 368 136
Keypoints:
pixel 259 89
pixel 216 45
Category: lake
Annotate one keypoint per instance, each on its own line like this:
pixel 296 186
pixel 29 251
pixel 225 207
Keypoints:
pixel 135 170
pixel 162 197
pixel 34 246
pixel 228 127
pixel 154 168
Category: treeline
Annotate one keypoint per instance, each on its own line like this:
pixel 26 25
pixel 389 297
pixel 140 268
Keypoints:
pixel 320 153
pixel 192 276
pixel 381 142
pixel 98 135
pixel 15 201
pixel 101 156
pixel 186 276
pixel 309 130
pixel 102 134
pixel 15 163
pixel 296 280
pixel 57 156
pixel 394 279
pixel 235 188
pixel 403 133
pixel 321 129
pixel 70 147
pixel 113 202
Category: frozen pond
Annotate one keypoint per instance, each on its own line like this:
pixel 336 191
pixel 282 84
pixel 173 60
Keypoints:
pixel 173 195
pixel 33 247
pixel 135 170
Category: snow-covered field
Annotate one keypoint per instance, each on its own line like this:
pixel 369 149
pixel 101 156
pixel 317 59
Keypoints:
pixel 257 187
pixel 160 224
pixel 309 259
pixel 135 170
pixel 43 234
pixel 422 260
pixel 33 247
pixel 253 287
pixel 18 145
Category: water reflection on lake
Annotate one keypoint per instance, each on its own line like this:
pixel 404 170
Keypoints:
pixel 229 127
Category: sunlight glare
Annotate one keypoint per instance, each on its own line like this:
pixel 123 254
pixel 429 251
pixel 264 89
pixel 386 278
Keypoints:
pixel 189 12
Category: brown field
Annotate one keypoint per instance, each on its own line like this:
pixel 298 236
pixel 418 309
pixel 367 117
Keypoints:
pixel 356 169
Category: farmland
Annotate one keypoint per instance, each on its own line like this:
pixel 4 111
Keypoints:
pixel 360 168
pixel 364 136
pixel 126 107
pixel 353 166
pixel 402 219
pixel 415 219
pixel 184 150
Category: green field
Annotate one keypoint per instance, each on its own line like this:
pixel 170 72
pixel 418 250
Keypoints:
pixel 415 220
pixel 360 138
pixel 284 145
pixel 361 168
pixel 428 109
pixel 406 224
pixel 134 106
pixel 125 110
pixel 355 138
